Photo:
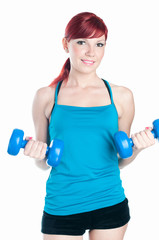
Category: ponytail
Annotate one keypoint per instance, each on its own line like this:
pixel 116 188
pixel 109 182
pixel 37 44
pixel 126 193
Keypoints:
pixel 63 74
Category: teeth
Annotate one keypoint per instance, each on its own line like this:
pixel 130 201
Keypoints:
pixel 87 61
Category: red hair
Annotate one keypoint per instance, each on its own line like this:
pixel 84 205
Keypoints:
pixel 82 25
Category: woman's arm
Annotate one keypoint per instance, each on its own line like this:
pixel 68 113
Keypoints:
pixel 41 111
pixel 141 140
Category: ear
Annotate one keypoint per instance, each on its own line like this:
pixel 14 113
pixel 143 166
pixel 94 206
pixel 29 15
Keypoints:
pixel 65 44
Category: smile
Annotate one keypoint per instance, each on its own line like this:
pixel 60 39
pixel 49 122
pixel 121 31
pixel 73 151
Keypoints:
pixel 88 62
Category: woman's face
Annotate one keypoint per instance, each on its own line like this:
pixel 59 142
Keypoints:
pixel 85 54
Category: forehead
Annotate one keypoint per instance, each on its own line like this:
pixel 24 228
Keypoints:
pixel 102 38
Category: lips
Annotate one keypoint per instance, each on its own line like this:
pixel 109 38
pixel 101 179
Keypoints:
pixel 88 62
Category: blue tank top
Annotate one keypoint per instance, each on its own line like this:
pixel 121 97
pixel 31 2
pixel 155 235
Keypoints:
pixel 88 176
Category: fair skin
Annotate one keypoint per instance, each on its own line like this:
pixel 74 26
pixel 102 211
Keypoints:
pixel 84 88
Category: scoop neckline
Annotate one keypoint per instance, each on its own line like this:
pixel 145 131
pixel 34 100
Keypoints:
pixel 70 106
pixel 92 107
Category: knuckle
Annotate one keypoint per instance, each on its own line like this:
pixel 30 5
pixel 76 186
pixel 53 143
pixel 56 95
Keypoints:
pixel 43 151
pixel 31 155
pixel 142 134
pixel 42 156
pixel 152 141
pixel 25 153
pixel 137 135
pixel 45 145
pixel 145 146
pixel 37 157
pixel 35 149
pixel 40 146
pixel 141 147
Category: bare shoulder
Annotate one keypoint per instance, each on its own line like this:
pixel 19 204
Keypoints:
pixel 45 94
pixel 44 99
pixel 123 99
pixel 121 93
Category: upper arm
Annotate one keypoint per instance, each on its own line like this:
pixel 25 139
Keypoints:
pixel 127 110
pixel 42 107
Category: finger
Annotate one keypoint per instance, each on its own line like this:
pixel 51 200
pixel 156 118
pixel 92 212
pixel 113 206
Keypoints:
pixel 28 147
pixel 139 140
pixel 144 138
pixel 149 133
pixel 151 139
pixel 35 149
pixel 135 141
pixel 43 151
pixel 38 149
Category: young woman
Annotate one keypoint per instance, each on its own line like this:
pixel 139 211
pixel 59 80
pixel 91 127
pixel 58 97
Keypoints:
pixel 85 190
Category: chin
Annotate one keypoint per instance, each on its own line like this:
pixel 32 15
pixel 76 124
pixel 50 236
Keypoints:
pixel 88 69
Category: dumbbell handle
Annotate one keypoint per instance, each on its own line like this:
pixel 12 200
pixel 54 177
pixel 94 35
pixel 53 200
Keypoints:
pixel 24 142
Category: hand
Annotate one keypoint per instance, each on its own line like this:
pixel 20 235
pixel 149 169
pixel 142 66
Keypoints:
pixel 143 139
pixel 35 149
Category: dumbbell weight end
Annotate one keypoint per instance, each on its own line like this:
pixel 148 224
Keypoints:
pixel 122 141
pixel 53 153
pixel 16 142
pixel 124 144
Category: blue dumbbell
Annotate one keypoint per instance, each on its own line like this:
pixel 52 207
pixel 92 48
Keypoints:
pixel 124 145
pixel 53 153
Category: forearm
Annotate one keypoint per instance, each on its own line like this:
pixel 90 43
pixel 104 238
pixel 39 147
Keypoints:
pixel 41 164
pixel 124 162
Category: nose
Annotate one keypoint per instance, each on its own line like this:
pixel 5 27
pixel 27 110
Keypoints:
pixel 90 51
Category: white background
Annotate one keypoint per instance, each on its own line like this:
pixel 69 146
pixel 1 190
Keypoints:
pixel 31 56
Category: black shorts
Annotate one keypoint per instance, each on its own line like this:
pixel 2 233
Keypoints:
pixel 76 224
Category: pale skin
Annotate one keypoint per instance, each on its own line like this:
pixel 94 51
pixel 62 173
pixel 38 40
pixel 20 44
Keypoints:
pixel 84 88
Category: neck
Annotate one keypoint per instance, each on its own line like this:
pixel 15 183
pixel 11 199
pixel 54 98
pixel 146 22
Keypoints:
pixel 82 80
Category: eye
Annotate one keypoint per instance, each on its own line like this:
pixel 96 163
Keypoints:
pixel 81 42
pixel 100 44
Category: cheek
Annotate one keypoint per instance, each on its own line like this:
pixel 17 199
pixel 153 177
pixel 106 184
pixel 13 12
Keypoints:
pixel 75 51
pixel 101 54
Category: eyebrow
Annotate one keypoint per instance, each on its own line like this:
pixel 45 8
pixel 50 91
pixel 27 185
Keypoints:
pixel 101 40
